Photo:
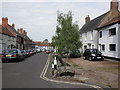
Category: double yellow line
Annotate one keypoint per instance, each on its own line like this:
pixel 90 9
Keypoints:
pixel 42 75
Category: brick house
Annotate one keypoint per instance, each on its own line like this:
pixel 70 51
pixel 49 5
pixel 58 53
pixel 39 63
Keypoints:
pixel 92 31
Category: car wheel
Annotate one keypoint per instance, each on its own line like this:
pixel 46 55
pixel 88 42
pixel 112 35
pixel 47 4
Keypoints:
pixel 90 58
pixel 84 58
pixel 102 59
pixel 19 59
pixel 3 61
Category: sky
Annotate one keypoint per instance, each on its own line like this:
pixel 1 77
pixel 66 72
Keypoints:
pixel 38 18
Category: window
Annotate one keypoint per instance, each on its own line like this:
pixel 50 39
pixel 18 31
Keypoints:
pixel 0 36
pixel 13 39
pixel 112 31
pixel 85 36
pixel 103 47
pixel 9 38
pixel 85 47
pixel 100 34
pixel 91 35
pixel 112 47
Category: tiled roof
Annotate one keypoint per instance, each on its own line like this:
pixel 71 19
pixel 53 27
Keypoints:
pixel 42 43
pixel 5 31
pixel 93 24
pixel 113 21
pixel 13 29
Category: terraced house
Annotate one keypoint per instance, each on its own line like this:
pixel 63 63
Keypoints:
pixel 11 38
pixel 103 32
pixel 7 39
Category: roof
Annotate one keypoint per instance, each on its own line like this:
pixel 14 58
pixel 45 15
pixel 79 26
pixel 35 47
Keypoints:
pixel 93 24
pixel 17 33
pixel 113 21
pixel 42 43
pixel 5 31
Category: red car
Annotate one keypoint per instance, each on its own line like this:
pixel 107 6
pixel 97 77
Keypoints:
pixel 47 51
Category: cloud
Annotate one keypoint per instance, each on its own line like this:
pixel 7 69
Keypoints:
pixel 39 18
pixel 56 0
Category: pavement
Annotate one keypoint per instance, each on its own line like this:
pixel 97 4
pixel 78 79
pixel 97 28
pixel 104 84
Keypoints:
pixel 26 74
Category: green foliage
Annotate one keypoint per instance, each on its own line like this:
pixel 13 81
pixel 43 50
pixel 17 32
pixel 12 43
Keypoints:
pixel 67 37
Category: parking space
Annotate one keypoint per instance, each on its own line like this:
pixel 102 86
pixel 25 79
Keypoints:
pixel 98 72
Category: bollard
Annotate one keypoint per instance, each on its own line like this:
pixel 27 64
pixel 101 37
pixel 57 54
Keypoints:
pixel 52 69
pixel 55 63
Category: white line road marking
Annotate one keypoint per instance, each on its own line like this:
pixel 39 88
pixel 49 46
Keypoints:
pixel 42 75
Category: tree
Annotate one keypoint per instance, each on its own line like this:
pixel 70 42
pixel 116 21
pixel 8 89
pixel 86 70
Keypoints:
pixel 46 40
pixel 67 36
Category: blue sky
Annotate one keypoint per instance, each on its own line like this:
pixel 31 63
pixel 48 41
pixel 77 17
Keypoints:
pixel 39 18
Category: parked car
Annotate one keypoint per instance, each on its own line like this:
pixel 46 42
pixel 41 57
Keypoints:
pixel 38 50
pixel 47 51
pixel 12 55
pixel 24 53
pixel 93 54
pixel 29 52
pixel 75 54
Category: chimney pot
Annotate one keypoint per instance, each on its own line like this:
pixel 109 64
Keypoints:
pixel 87 19
pixel 13 25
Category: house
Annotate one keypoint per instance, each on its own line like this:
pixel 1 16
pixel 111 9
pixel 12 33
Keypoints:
pixel 96 33
pixel 7 39
pixel 43 45
pixel 109 33
pixel 22 40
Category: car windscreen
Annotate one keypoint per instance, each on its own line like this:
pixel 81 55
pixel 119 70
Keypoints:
pixel 94 51
pixel 13 51
pixel 5 51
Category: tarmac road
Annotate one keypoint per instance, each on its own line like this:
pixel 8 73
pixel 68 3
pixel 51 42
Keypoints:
pixel 26 74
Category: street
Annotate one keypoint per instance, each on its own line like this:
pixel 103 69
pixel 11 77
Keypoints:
pixel 26 74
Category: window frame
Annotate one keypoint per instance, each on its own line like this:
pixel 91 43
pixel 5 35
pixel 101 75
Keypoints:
pixel 103 47
pixel 100 34
pixel 111 49
pixel 110 30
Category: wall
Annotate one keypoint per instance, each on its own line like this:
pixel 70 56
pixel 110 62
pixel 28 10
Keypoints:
pixel 119 40
pixel 6 41
pixel 106 39
pixel 91 39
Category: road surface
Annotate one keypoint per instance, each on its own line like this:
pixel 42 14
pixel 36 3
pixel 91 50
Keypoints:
pixel 26 74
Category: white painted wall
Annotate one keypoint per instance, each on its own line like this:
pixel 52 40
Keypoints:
pixel 107 39
pixel 44 47
pixel 5 41
pixel 119 40
pixel 89 37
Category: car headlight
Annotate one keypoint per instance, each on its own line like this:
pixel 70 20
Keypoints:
pixel 93 54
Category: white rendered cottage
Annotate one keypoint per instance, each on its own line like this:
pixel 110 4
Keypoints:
pixel 103 32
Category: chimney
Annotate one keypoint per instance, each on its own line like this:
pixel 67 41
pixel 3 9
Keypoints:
pixel 4 21
pixel 21 30
pixel 114 5
pixel 25 33
pixel 13 25
pixel 87 19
